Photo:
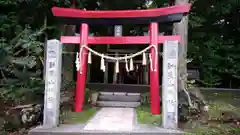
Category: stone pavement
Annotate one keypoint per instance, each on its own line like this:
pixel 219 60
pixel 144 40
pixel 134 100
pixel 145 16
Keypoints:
pixel 107 121
pixel 112 119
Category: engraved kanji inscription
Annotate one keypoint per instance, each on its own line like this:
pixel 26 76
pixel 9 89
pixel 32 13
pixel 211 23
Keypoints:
pixel 170 75
pixel 51 82
pixel 170 65
pixel 172 51
pixel 52 64
pixel 170 82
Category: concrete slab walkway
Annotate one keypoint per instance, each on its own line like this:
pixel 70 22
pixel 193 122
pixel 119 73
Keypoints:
pixel 107 121
pixel 112 119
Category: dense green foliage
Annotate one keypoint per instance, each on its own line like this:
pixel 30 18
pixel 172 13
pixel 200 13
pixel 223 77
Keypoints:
pixel 24 24
pixel 213 41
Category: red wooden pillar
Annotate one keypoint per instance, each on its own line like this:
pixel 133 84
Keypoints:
pixel 81 78
pixel 154 76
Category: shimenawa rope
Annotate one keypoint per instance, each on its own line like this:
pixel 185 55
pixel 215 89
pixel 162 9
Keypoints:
pixel 117 59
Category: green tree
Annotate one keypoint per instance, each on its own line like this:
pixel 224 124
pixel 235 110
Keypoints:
pixel 214 42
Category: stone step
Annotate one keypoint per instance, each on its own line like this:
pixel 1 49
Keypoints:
pixel 122 98
pixel 120 93
pixel 118 104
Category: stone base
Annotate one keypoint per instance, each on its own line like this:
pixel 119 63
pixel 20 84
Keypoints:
pixel 78 129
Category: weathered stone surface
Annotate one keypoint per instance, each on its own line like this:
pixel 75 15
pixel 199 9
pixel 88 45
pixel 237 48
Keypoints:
pixel 123 98
pixel 112 119
pixel 170 85
pixel 118 99
pixel 52 83
pixel 94 98
pixel 118 104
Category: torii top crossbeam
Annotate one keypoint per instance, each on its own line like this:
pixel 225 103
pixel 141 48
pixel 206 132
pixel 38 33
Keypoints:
pixel 162 15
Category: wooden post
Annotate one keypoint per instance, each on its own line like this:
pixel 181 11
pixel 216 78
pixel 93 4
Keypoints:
pixel 81 78
pixel 146 68
pixel 68 59
pixel 88 73
pixel 52 83
pixel 106 73
pixel 154 76
pixel 170 84
pixel 145 75
pixel 117 32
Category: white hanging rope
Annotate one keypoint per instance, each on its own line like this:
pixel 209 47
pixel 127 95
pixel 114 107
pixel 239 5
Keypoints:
pixel 117 58
pixel 120 58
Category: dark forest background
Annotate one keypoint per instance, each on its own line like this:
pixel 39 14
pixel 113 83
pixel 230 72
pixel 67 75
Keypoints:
pixel 25 25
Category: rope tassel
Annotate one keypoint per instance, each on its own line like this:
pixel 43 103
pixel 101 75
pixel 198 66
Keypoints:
pixel 102 64
pixel 126 64
pixel 151 63
pixel 144 61
pixel 131 65
pixel 117 67
pixel 89 58
pixel 77 62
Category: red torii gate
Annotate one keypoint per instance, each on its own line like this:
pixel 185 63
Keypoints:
pixel 152 17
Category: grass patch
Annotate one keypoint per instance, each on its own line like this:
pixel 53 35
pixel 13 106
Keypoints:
pixel 217 129
pixel 224 96
pixel 216 108
pixel 69 117
pixel 207 130
pixel 214 127
pixel 144 116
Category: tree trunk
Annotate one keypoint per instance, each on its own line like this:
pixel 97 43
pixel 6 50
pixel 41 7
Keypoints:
pixel 181 29
pixel 68 58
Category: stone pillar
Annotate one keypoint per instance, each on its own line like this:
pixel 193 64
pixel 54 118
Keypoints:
pixel 52 83
pixel 170 84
